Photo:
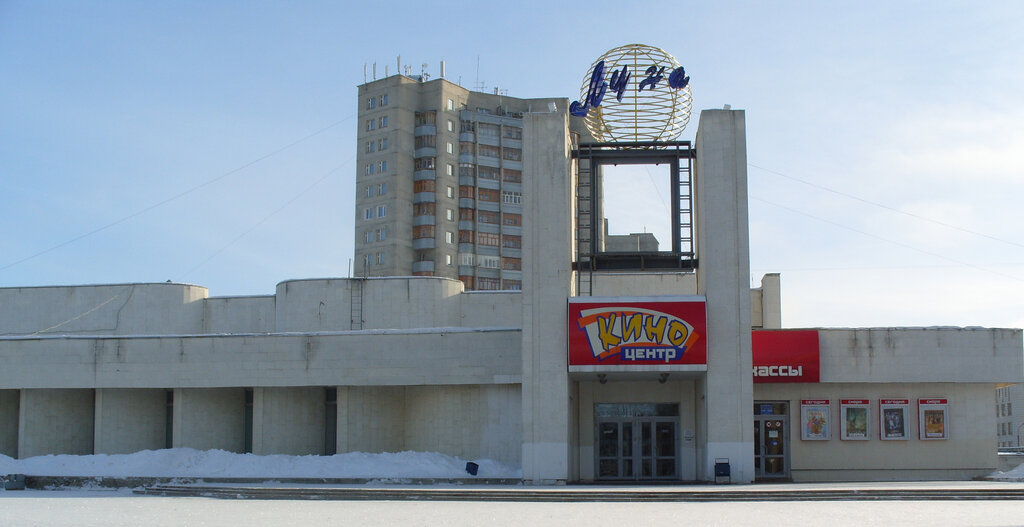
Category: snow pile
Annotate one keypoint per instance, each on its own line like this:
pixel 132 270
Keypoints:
pixel 187 462
pixel 1016 474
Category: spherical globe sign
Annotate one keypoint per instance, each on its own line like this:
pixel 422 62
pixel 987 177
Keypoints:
pixel 635 93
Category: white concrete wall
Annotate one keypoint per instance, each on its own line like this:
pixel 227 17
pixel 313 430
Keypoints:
pixel 680 392
pixel 130 420
pixel 975 355
pixel 547 278
pixel 491 309
pixel 644 284
pixel 209 418
pixel 55 422
pixel 288 421
pixel 244 314
pixel 9 422
pixel 128 309
pixel 723 250
pixel 970 450
pixel 369 358
pixel 471 422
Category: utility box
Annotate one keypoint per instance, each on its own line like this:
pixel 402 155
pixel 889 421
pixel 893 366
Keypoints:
pixel 723 471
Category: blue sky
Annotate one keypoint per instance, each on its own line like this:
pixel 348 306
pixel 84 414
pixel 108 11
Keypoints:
pixel 885 141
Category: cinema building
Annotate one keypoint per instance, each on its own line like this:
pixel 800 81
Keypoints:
pixel 606 366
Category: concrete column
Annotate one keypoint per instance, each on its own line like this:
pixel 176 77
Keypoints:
pixel 288 421
pixel 130 420
pixel 723 252
pixel 55 422
pixel 209 418
pixel 547 280
pixel 771 301
pixel 9 422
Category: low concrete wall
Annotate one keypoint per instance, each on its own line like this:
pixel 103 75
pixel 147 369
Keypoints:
pixel 209 418
pixel 55 422
pixel 9 422
pixel 471 422
pixel 288 421
pixel 130 420
pixel 1010 461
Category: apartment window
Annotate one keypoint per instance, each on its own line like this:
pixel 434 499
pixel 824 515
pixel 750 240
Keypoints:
pixel 1009 409
pixel 450 191
pixel 383 121
pixel 371 146
pixel 449 214
pixel 423 141
pixel 368 191
pixel 487 284
pixel 466 214
pixel 466 191
pixel 369 169
pixel 488 151
pixel 490 262
pixel 422 231
pixel 489 173
pixel 450 148
pixel 467 126
pixel 382 144
pixel 513 198
pixel 486 194
pixel 512 176
pixel 448 260
pixel 514 285
pixel 511 242
pixel 371 125
pixel 384 100
pixel 382 166
pixel 382 234
pixel 371 103
pixel 512 132
pixel 424 185
pixel 423 163
pixel 486 238
pixel 512 264
pixel 466 169
pixel 382 211
pixel 423 209
pixel 466 237
pixel 449 237
pixel 450 170
pixel 382 189
pixel 451 104
pixel 368 237
pixel 380 258
pixel 488 130
pixel 451 125
pixel 512 154
pixel 465 258
pixel 488 217
pixel 425 118
pixel 367 260
pixel 465 147
pixel 368 213
pixel 512 220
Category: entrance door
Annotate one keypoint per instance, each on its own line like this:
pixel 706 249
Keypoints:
pixel 637 441
pixel 771 440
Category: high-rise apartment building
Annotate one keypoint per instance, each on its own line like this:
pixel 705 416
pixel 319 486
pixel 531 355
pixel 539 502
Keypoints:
pixel 439 182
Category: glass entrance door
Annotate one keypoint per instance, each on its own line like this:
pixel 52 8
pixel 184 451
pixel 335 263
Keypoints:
pixel 637 441
pixel 771 440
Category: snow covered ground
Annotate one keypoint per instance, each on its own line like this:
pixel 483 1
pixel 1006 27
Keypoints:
pixel 187 462
pixel 1016 474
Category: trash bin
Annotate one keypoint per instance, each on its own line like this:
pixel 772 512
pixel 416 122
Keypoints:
pixel 472 468
pixel 723 471
pixel 14 482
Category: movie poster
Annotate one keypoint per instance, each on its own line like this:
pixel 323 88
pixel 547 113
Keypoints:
pixel 854 419
pixel 892 414
pixel 933 415
pixel 815 422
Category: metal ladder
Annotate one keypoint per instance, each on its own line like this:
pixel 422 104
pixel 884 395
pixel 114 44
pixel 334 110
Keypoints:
pixel 356 298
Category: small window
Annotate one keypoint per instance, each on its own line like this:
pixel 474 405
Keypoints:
pixel 369 237
pixel 382 144
pixel 450 191
pixel 382 211
pixel 383 121
pixel 448 258
pixel 451 168
pixel 368 191
pixel 451 104
pixel 384 100
pixel 380 258
pixel 371 125
pixel 368 214
pixel 370 146
pixel 451 149
pixel 371 103
pixel 449 237
pixel 449 214
pixel 451 125
pixel 382 189
pixel 382 234
pixel 382 166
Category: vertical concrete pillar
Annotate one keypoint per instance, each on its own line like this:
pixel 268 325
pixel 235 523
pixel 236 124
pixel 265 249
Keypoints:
pixel 55 422
pixel 288 421
pixel 771 301
pixel 9 422
pixel 723 252
pixel 547 280
pixel 129 420
pixel 209 418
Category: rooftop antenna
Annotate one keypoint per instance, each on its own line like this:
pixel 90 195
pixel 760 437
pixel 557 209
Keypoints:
pixel 423 72
pixel 374 71
pixel 398 65
pixel 364 73
pixel 442 68
pixel 386 74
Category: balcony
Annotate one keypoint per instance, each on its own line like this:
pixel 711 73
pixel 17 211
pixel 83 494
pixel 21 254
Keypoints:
pixel 468 137
pixel 466 158
pixel 424 220
pixel 467 203
pixel 424 197
pixel 420 175
pixel 421 267
pixel 426 129
pixel 423 243
pixel 426 151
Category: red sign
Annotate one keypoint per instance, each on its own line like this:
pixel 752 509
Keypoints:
pixel 932 401
pixel 894 401
pixel 814 402
pixel 785 356
pixel 637 332
pixel 854 401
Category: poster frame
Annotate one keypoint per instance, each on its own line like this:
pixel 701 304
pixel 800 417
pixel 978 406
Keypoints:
pixel 932 407
pixel 810 408
pixel 899 411
pixel 848 407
